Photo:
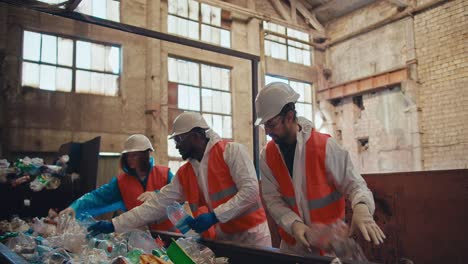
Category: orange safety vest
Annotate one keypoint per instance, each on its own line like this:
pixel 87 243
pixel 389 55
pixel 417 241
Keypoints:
pixel 130 188
pixel 325 204
pixel 221 188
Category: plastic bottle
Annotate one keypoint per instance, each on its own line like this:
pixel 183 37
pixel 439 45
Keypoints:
pixel 178 216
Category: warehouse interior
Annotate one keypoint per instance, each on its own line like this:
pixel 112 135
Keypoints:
pixel 388 79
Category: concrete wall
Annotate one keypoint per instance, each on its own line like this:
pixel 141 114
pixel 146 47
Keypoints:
pixel 385 123
pixel 375 52
pixel 441 37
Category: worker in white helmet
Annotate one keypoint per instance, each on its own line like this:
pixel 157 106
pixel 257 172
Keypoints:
pixel 306 174
pixel 219 177
pixel 139 181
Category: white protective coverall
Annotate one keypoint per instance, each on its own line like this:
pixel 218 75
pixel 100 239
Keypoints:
pixel 243 175
pixel 340 172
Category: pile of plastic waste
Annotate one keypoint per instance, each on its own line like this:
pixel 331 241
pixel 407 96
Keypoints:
pixel 40 176
pixel 334 240
pixel 60 239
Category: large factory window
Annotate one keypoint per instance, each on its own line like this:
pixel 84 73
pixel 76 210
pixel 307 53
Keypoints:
pixel 202 88
pixel 57 63
pixel 106 9
pixel 287 44
pixel 199 21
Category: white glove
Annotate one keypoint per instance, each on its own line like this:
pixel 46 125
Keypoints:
pixel 363 220
pixel 146 196
pixel 299 230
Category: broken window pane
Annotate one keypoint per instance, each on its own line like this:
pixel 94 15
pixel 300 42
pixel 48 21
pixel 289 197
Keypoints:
pixel 65 52
pixel 47 77
pixel 225 38
pixel 30 74
pixel 98 57
pixel 83 54
pixel 83 81
pixel 193 10
pixel 193 30
pixel 31 45
pixel 99 8
pixel 182 8
pixel 64 79
pixel 49 49
pixel 215 16
pixel 113 10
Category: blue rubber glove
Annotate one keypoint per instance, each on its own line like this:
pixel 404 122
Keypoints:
pixel 101 227
pixel 203 222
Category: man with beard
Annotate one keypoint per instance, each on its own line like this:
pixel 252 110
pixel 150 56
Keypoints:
pixel 218 181
pixel 306 173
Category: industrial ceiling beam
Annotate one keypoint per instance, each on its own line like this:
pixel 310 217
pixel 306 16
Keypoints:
pixel 280 9
pixel 310 17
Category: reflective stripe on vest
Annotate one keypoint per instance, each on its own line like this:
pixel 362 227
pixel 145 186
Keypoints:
pixel 325 203
pixel 221 188
pixel 226 193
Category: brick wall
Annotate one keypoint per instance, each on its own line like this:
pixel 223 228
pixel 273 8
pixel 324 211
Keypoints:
pixel 441 36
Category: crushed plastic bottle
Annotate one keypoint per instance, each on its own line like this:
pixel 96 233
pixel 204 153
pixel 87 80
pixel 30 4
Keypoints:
pixel 177 215
pixel 334 239
pixel 141 240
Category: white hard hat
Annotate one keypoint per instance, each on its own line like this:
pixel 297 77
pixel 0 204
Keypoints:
pixel 186 122
pixel 271 99
pixel 137 142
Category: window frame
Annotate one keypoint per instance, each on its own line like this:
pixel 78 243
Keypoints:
pixel 200 23
pixel 201 87
pixel 73 68
pixel 286 43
